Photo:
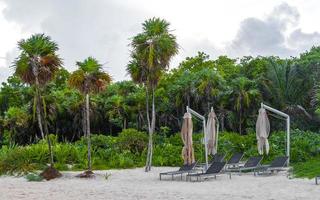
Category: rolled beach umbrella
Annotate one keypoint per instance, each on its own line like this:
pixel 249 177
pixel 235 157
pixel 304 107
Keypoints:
pixel 186 136
pixel 211 133
pixel 262 131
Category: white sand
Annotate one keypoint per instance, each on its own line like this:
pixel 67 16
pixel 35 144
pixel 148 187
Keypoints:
pixel 136 184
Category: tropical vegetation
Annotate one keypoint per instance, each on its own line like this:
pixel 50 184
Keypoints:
pixel 135 122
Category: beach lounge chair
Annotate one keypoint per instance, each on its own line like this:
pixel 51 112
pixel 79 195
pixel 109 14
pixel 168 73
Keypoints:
pixel 278 164
pixel 214 169
pixel 183 170
pixel 317 179
pixel 234 161
pixel 219 157
pixel 252 164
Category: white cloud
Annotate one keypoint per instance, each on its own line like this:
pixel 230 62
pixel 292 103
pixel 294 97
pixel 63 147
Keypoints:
pixel 103 28
pixel 275 34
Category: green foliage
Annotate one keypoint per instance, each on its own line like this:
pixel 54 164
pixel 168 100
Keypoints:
pixel 128 150
pixel 32 177
pixel 133 141
pixel 233 87
pixel 308 169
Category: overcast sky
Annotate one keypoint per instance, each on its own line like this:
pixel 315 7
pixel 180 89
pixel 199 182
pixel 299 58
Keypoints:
pixel 103 28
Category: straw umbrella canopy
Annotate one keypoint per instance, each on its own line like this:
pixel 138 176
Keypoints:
pixel 186 135
pixel 211 133
pixel 262 131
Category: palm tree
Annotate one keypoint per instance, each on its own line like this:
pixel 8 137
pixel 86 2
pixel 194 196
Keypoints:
pixel 289 84
pixel 152 51
pixel 89 78
pixel 243 93
pixel 37 65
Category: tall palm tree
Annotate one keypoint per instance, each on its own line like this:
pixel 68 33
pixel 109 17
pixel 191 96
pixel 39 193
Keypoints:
pixel 88 79
pixel 243 93
pixel 37 65
pixel 152 51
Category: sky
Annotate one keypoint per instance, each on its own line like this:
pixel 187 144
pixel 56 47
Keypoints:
pixel 103 28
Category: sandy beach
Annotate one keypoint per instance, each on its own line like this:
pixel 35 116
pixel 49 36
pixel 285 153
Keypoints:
pixel 136 184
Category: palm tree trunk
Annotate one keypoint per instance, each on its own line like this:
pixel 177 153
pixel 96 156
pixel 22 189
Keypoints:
pixel 150 144
pixel 240 121
pixel 48 139
pixel 148 167
pixel 41 120
pixel 38 111
pixel 37 95
pixel 88 131
pixel 84 122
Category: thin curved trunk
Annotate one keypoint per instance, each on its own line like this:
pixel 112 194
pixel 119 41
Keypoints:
pixel 84 122
pixel 88 132
pixel 37 96
pixel 240 121
pixel 41 113
pixel 48 139
pixel 38 111
pixel 151 131
pixel 151 127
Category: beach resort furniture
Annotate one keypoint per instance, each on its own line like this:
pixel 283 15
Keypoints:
pixel 219 157
pixel 183 170
pixel 252 164
pixel 234 161
pixel 278 164
pixel 317 179
pixel 215 169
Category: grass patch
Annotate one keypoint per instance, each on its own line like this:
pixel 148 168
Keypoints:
pixel 308 169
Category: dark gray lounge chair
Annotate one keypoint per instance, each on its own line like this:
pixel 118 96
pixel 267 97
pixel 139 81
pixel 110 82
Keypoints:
pixel 183 170
pixel 234 161
pixel 219 157
pixel 215 169
pixel 278 164
pixel 252 164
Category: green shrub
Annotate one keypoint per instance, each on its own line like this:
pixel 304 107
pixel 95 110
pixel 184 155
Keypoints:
pixel 132 140
pixel 308 169
pixel 34 177
pixel 129 150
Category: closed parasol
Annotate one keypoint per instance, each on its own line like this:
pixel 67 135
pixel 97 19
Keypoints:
pixel 262 131
pixel 212 133
pixel 186 135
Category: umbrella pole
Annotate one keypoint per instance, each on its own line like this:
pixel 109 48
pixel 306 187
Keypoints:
pixel 205 142
pixel 288 127
pixel 217 136
pixel 189 110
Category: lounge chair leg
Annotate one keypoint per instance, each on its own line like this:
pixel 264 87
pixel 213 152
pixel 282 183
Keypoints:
pixel 215 176
pixel 172 176
pixel 230 175
pixel 160 177
pixel 317 180
pixel 181 176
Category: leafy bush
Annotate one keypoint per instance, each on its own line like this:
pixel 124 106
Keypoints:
pixel 308 169
pixel 129 150
pixel 34 177
pixel 132 140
